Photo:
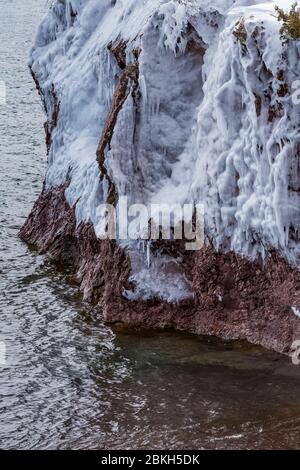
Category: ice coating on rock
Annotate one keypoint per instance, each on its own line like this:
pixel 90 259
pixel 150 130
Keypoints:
pixel 210 119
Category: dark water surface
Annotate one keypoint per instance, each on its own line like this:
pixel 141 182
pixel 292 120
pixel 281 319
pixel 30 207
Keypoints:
pixel 69 380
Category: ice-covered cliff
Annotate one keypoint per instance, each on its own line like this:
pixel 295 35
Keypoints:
pixel 174 101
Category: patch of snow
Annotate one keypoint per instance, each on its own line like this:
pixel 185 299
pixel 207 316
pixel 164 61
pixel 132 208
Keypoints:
pixel 296 311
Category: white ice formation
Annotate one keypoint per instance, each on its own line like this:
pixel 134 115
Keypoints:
pixel 215 122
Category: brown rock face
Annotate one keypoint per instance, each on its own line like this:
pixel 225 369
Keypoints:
pixel 128 83
pixel 233 297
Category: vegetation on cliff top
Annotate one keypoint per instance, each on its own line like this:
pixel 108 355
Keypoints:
pixel 290 29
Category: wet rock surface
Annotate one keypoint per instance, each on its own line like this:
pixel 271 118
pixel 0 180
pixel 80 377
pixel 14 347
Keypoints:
pixel 234 298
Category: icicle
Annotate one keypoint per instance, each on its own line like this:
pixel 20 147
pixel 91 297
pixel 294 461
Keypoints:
pixel 148 254
pixel 143 88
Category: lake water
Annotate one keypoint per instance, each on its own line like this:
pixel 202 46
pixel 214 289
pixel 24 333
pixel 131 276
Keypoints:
pixel 70 381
